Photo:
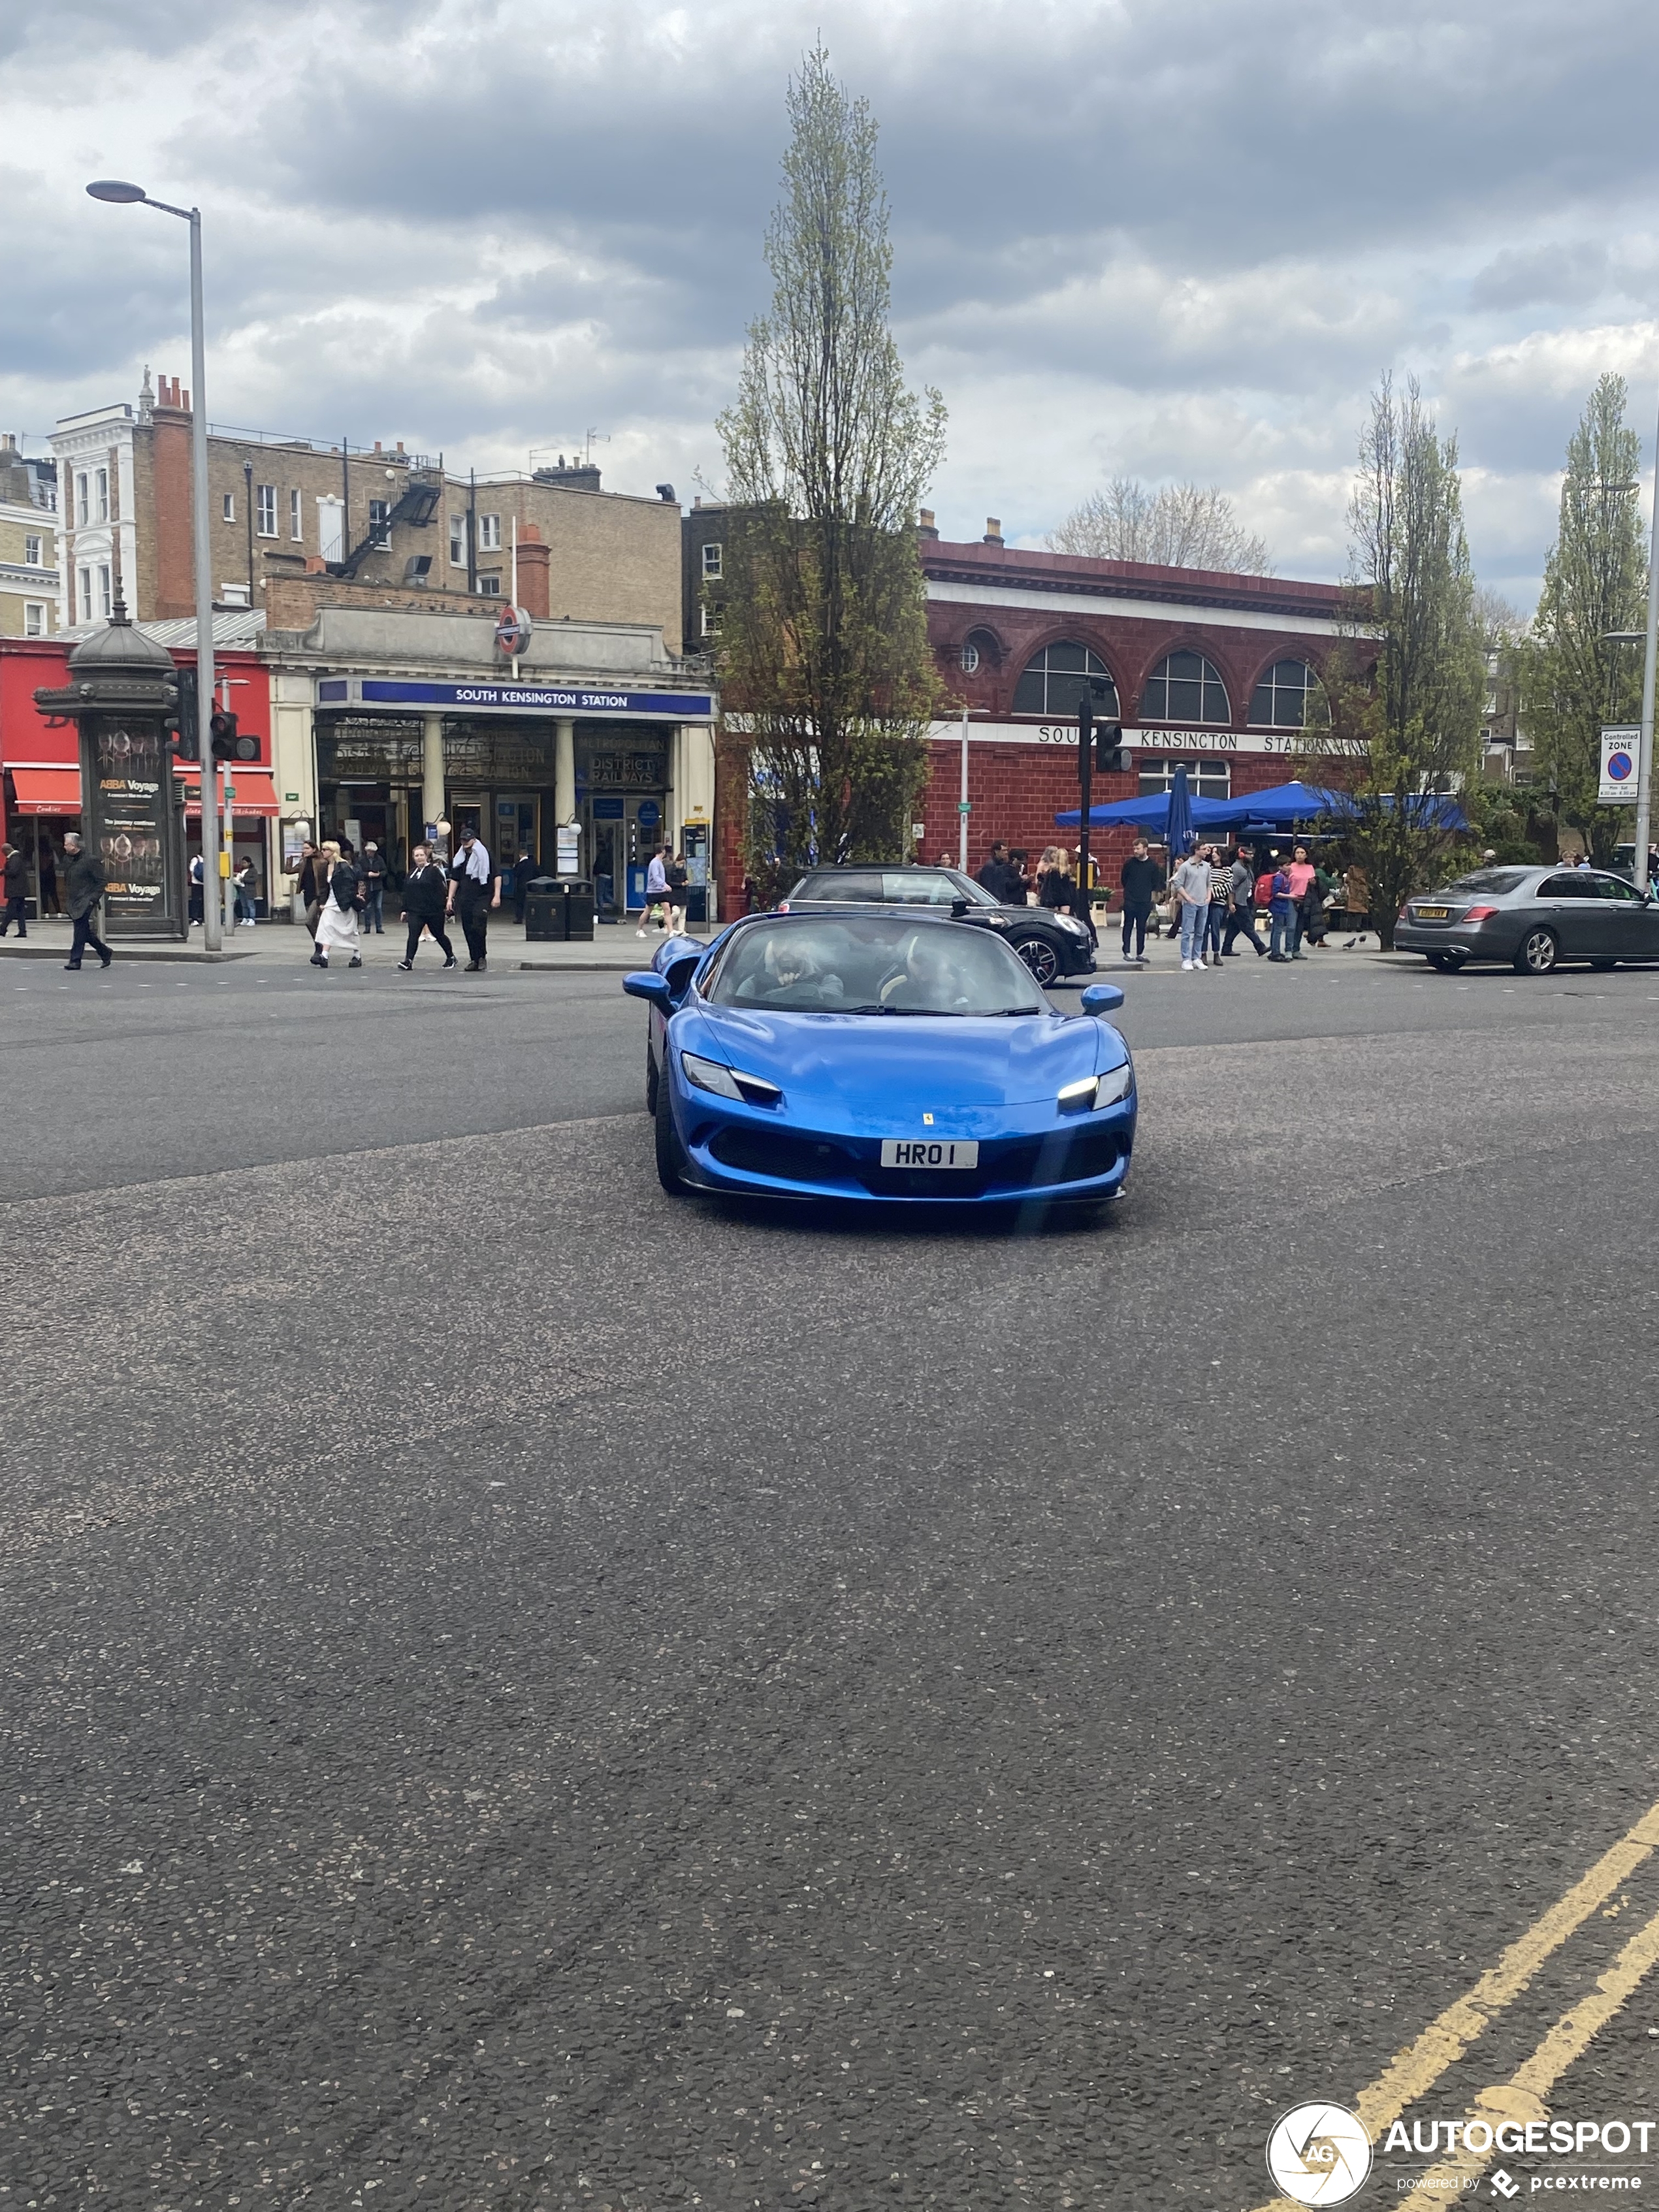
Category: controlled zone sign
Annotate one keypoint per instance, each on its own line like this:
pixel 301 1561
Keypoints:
pixel 1621 751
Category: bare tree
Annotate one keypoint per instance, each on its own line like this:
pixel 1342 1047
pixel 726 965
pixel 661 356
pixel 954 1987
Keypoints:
pixel 1183 525
pixel 824 656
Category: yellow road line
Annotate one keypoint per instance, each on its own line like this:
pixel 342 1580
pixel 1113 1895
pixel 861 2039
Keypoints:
pixel 1569 2040
pixel 1419 2066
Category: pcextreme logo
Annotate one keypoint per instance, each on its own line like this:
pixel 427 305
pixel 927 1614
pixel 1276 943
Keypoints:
pixel 1319 2153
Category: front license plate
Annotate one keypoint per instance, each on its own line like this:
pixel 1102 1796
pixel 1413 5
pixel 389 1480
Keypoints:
pixel 1433 913
pixel 929 1152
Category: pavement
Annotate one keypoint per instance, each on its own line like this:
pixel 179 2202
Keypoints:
pixel 613 945
pixel 523 1691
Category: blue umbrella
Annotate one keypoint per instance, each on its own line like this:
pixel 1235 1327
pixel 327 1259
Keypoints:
pixel 1178 822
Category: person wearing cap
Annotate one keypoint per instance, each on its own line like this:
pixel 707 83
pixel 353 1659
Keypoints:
pixel 475 890
pixel 84 885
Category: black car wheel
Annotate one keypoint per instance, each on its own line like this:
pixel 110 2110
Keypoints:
pixel 1447 962
pixel 671 1153
pixel 651 1080
pixel 1540 951
pixel 1041 957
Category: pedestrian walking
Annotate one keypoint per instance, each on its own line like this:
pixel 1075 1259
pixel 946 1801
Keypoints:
pixel 15 877
pixel 1241 921
pixel 48 884
pixel 993 875
pixel 475 891
pixel 425 890
pixel 343 895
pixel 1282 907
pixel 197 892
pixel 1301 876
pixel 1191 885
pixel 1356 903
pixel 678 876
pixel 1221 899
pixel 242 881
pixel 656 891
pixel 84 879
pixel 374 876
pixel 1138 879
pixel 306 883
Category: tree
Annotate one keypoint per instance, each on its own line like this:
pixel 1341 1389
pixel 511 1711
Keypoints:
pixel 824 655
pixel 1183 526
pixel 1408 676
pixel 1595 579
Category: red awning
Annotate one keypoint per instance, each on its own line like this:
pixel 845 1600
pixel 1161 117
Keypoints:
pixel 47 790
pixel 255 793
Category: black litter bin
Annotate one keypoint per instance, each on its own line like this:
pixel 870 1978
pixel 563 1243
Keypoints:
pixel 579 910
pixel 545 911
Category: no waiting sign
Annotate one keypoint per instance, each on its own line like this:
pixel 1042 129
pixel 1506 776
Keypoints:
pixel 1620 747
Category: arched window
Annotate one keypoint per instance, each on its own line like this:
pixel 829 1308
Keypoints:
pixel 1289 696
pixel 981 648
pixel 1055 681
pixel 1184 687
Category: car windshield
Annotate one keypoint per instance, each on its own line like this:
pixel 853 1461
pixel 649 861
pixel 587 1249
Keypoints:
pixel 881 963
pixel 1491 880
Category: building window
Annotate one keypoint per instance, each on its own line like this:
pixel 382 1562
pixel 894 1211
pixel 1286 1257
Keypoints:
pixel 708 620
pixel 1205 779
pixel 458 541
pixel 81 513
pixel 234 595
pixel 1290 696
pixel 968 659
pixel 296 517
pixel 1185 687
pixel 1055 682
pixel 34 617
pixel 490 533
pixel 265 495
pixel 104 604
pixel 491 586
pixel 713 567
pixel 83 578
pixel 228 507
pixel 31 553
pixel 101 484
pixel 379 536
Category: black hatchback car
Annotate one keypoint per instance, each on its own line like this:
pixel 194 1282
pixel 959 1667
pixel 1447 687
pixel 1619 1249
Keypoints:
pixel 1051 944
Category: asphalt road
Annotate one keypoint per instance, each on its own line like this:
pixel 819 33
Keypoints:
pixel 521 1691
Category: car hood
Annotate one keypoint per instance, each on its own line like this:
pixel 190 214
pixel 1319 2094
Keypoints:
pixel 856 1058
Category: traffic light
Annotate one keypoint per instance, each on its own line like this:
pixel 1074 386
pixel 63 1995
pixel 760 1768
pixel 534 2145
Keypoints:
pixel 183 726
pixel 1108 748
pixel 226 743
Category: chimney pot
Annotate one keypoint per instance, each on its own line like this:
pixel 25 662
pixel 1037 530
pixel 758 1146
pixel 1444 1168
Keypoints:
pixel 926 526
pixel 992 530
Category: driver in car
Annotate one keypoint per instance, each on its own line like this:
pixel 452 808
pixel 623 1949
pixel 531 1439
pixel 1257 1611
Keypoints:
pixel 795 975
pixel 928 982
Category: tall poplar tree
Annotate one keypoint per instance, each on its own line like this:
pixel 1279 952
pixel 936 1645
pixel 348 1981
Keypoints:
pixel 824 663
pixel 1595 579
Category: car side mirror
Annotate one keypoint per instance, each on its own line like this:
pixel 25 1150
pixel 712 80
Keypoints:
pixel 958 907
pixel 1102 998
pixel 654 990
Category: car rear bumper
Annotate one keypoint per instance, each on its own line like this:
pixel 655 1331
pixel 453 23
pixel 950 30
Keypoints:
pixel 1475 941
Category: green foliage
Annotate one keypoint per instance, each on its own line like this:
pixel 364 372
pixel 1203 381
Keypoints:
pixel 823 656
pixel 1595 579
pixel 1406 679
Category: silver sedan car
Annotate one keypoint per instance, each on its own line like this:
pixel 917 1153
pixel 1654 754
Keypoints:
pixel 1533 919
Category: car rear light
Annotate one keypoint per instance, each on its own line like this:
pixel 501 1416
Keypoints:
pixel 1480 914
pixel 1404 914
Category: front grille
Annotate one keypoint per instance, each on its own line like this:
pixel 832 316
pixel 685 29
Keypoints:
pixel 1048 1162
pixel 781 1154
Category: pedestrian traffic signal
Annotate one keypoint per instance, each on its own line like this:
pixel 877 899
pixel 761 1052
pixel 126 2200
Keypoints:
pixel 184 726
pixel 228 745
pixel 1108 748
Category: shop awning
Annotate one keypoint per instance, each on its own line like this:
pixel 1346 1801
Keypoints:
pixel 47 790
pixel 255 792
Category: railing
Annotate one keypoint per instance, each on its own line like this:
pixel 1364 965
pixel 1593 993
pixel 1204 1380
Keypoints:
pixel 329 447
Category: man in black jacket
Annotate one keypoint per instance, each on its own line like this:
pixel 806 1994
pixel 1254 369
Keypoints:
pixel 426 887
pixel 998 878
pixel 83 885
pixel 1138 877
pixel 17 898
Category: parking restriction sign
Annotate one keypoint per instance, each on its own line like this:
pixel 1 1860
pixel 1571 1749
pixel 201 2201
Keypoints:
pixel 1620 744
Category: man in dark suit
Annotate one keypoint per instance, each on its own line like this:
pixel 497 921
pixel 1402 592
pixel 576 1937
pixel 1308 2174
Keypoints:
pixel 998 878
pixel 84 885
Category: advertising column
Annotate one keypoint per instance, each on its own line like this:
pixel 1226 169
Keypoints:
pixel 131 822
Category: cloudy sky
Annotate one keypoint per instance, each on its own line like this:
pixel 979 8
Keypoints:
pixel 1165 238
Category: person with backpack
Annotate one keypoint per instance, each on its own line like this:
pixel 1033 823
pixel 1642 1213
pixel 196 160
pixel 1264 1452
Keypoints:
pixel 425 890
pixel 341 896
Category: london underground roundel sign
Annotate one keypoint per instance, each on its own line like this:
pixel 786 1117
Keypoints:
pixel 512 631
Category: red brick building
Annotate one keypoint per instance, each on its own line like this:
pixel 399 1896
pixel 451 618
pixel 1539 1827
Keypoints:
pixel 1214 671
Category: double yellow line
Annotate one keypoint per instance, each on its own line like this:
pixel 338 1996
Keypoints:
pixel 1416 2069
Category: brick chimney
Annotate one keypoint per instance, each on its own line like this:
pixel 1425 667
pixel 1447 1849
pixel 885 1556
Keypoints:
pixel 992 530
pixel 534 558
pixel 171 477
pixel 927 527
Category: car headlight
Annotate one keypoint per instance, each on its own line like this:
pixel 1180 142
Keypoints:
pixel 1093 1090
pixel 1070 922
pixel 728 1082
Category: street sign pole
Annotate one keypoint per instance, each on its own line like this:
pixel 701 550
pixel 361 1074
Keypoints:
pixel 962 805
pixel 1644 757
pixel 1085 774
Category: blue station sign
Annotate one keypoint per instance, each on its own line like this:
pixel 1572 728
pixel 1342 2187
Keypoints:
pixel 517 698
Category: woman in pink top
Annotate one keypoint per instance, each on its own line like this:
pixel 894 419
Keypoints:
pixel 1301 873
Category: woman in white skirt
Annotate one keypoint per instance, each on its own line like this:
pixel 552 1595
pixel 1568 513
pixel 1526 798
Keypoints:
pixel 337 924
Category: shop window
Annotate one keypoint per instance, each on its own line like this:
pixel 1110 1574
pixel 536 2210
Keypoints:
pixel 1185 687
pixel 1054 684
pixel 1205 779
pixel 490 533
pixel 1290 696
pixel 265 496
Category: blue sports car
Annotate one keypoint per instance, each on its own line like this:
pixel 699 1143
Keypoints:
pixel 870 1053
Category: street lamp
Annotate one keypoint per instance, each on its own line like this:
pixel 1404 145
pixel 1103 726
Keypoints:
pixel 124 194
pixel 1645 752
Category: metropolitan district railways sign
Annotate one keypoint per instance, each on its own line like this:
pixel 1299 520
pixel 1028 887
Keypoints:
pixel 516 698
pixel 1320 2154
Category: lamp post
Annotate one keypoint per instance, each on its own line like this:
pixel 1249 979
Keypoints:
pixel 123 195
pixel 1644 755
